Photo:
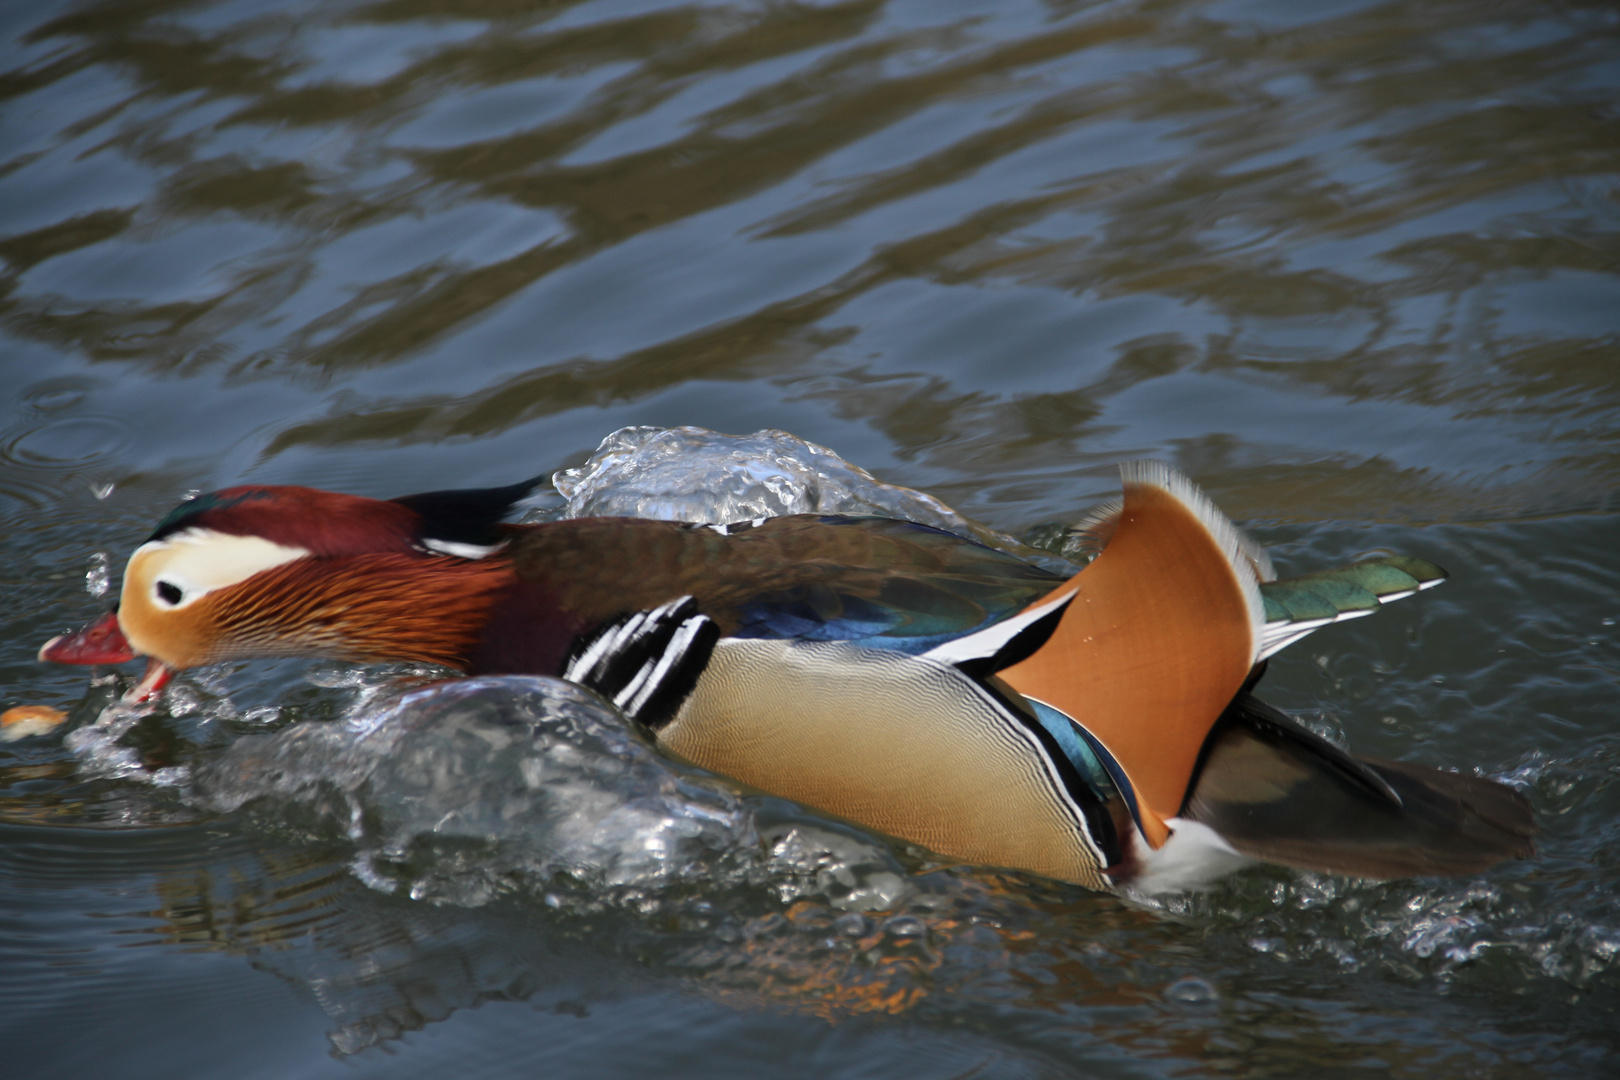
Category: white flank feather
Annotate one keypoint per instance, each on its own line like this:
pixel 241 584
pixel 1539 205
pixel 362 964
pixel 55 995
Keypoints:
pixel 1195 856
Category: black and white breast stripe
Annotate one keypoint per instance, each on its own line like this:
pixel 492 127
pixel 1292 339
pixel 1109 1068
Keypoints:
pixel 1090 817
pixel 646 662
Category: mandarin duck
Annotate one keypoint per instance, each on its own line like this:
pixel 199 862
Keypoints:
pixel 1097 729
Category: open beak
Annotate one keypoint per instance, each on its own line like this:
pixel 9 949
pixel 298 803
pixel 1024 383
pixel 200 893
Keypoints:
pixel 103 642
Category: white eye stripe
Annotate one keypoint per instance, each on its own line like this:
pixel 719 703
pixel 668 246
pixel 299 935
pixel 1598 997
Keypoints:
pixel 196 562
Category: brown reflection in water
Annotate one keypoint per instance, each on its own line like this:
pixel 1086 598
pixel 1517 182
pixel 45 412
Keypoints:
pixel 297 892
pixel 382 967
pixel 1152 242
pixel 386 966
pixel 57 802
pixel 1000 941
pixel 25 249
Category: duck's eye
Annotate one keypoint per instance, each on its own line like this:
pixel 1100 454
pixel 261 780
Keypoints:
pixel 169 593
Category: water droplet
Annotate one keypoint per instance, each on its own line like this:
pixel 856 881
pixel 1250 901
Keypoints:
pixel 1191 991
pixel 1608 622
pixel 98 578
pixel 102 491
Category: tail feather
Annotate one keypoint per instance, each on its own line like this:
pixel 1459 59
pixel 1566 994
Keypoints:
pixel 1275 792
pixel 1165 623
pixel 1298 605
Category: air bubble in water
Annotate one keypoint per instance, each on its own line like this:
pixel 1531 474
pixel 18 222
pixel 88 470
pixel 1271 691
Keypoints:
pixel 1191 991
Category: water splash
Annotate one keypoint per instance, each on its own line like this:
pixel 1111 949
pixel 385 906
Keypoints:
pixel 101 747
pixel 461 791
pixel 693 474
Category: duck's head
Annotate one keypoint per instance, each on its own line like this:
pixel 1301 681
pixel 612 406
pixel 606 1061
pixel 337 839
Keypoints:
pixel 262 571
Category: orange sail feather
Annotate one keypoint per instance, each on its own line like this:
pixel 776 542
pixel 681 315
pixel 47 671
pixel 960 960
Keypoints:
pixel 1162 632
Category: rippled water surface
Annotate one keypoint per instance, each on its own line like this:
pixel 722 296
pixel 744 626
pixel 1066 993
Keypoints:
pixel 1353 266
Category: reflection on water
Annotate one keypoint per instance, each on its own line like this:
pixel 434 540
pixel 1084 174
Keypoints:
pixel 1124 221
pixel 1352 266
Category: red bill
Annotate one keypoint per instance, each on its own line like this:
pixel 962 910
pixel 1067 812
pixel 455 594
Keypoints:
pixel 103 642
pixel 100 642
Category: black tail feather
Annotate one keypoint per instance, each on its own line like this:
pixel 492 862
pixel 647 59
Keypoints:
pixel 468 515
pixel 1278 793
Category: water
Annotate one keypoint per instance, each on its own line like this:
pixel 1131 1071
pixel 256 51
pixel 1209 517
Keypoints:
pixel 1352 267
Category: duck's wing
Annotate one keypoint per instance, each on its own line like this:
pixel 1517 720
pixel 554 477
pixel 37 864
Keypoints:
pixel 876 582
pixel 1169 620
pixel 1277 792
pixel 1293 606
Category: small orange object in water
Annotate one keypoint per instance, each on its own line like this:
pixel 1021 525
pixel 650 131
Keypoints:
pixel 26 720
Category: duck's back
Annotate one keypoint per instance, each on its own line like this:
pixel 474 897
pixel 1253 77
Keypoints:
pixel 880 582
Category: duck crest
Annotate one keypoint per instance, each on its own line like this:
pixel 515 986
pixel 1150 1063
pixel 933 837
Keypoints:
pixel 324 523
pixel 327 524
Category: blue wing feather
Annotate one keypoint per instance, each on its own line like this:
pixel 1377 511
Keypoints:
pixel 933 586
